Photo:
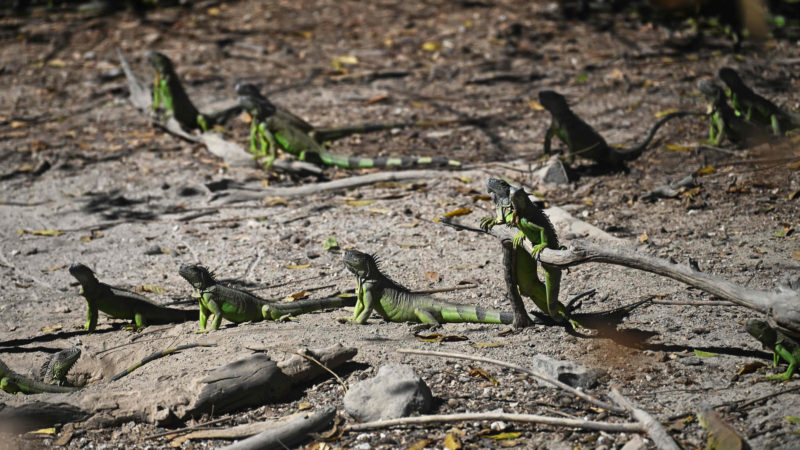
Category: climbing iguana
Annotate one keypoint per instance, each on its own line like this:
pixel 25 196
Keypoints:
pixel 55 369
pixel 395 303
pixel 238 306
pixel 514 208
pixel 582 140
pixel 123 304
pixel 782 346
pixel 723 121
pixel 169 95
pixel 13 382
pixel 755 108
pixel 270 130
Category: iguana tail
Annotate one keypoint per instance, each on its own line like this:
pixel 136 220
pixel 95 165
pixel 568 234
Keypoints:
pixel 333 133
pixel 154 356
pixel 278 310
pixel 14 382
pixel 355 162
pixel 453 313
pixel 627 154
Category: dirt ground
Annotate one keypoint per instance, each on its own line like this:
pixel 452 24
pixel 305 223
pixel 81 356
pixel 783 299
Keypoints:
pixel 76 157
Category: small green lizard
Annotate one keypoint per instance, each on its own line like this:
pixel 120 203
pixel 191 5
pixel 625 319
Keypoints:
pixel 395 303
pixel 55 369
pixel 755 108
pixel 270 130
pixel 123 304
pixel 169 95
pixel 582 140
pixel 782 346
pixel 723 121
pixel 237 306
pixel 13 382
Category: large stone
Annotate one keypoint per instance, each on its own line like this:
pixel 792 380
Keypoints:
pixel 566 372
pixel 553 172
pixel 396 391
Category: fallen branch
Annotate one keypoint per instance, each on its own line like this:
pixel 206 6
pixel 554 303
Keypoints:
pixel 155 356
pixel 654 429
pixel 541 376
pixel 626 427
pixel 288 434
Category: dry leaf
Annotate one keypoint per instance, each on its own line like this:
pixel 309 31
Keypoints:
pixel 56 63
pixel 751 367
pixel 665 112
pixel 679 148
pixel 487 344
pixel 43 431
pixel 431 46
pixel 296 296
pixel 452 442
pixel 436 337
pixel 149 288
pixel 302 406
pixel 458 212
pixel 433 276
pixel 707 170
pixel 376 99
pixel 360 202
pixel 41 232
pixel 503 436
pixel 477 372
pixel 420 445
pixel 54 268
pixel 413 224
pixel 643 238
pixel 298 266
pixel 18 124
pixel 796 255
pixel 51 329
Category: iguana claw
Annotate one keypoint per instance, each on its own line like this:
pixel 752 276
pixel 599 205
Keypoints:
pixel 487 223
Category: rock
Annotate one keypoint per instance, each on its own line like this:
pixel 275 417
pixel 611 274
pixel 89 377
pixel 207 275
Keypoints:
pixel 396 391
pixel 566 372
pixel 553 172
pixel 636 443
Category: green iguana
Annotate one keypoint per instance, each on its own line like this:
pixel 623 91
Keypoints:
pixel 723 121
pixel 721 436
pixel 395 303
pixel 782 346
pixel 755 108
pixel 238 306
pixel 271 129
pixel 582 140
pixel 514 208
pixel 122 304
pixel 55 369
pixel 169 95
pixel 13 382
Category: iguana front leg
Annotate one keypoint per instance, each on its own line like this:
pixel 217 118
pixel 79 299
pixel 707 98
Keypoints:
pixel 368 300
pixel 157 87
pixel 359 305
pixel 548 136
pixel 91 316
pixel 780 351
pixel 269 147
pixel 140 321
pixel 776 125
pixel 716 128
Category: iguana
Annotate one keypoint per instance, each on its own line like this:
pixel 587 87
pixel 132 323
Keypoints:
pixel 582 140
pixel 723 121
pixel 13 382
pixel 395 303
pixel 514 208
pixel 123 304
pixel 721 436
pixel 782 346
pixel 238 306
pixel 270 130
pixel 169 95
pixel 55 369
pixel 756 108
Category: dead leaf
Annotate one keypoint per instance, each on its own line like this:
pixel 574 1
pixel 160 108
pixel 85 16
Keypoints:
pixel 436 337
pixel 452 442
pixel 41 232
pixel 431 46
pixel 793 195
pixel 149 288
pixel 57 63
pixel 298 266
pixel 643 238
pixel 707 170
pixel 213 11
pixel 504 436
pixel 376 99
pixel 665 112
pixel 345 60
pixel 95 234
pixel 275 201
pixel 54 268
pixel 487 344
pixel 18 124
pixel 482 197
pixel 750 367
pixel 477 372
pixel 534 105
pixel 679 148
pixel 420 445
pixel 296 296
pixel 51 329
pixel 796 254
pixel 433 276
pixel 360 202
pixel 413 224
pixel 302 406
pixel 458 212
pixel 51 430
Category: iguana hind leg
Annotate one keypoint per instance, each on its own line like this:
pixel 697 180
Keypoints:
pixel 426 317
pixel 790 358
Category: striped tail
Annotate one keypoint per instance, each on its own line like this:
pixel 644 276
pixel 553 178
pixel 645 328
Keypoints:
pixel 475 314
pixel 355 162
pixel 277 310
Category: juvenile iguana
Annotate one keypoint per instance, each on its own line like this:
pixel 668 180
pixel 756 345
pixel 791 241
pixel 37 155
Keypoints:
pixel 238 306
pixel 169 95
pixel 122 304
pixel 782 346
pixel 582 140
pixel 755 108
pixel 395 303
pixel 514 208
pixel 55 369
pixel 13 382
pixel 723 121
pixel 270 130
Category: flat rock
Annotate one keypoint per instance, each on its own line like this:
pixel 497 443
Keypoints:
pixel 396 391
pixel 566 372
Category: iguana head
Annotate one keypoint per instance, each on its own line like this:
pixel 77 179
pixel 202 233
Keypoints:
pixel 198 276
pixel 253 102
pixel 761 330
pixel 160 62
pixel 711 91
pixel 730 77
pixel 518 197
pixel 499 191
pixel 83 274
pixel 56 368
pixel 553 102
pixel 363 265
